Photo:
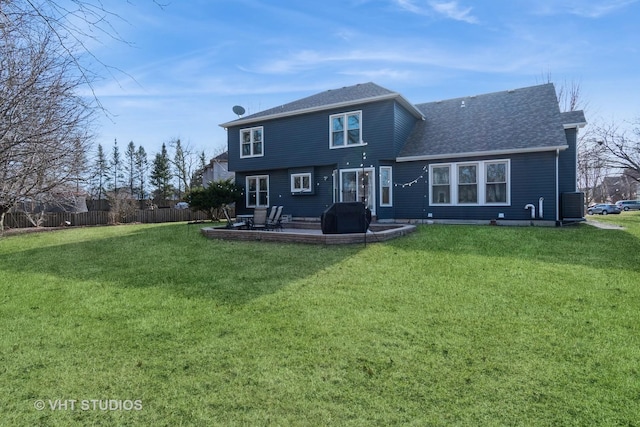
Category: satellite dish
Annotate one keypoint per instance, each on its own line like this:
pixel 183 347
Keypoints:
pixel 238 109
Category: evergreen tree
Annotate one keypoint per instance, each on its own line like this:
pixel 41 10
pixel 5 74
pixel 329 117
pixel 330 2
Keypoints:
pixel 180 164
pixel 196 178
pixel 213 198
pixel 161 174
pixel 142 168
pixel 116 166
pixel 130 167
pixel 100 174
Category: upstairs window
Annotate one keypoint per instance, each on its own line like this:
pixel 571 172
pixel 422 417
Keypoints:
pixel 251 142
pixel 346 130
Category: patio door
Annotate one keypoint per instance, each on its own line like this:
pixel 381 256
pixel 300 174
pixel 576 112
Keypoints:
pixel 358 185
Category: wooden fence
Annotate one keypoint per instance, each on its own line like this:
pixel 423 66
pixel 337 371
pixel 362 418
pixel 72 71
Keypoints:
pixel 20 220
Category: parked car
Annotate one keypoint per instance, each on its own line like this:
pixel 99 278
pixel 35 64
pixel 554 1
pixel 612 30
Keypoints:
pixel 182 205
pixel 627 205
pixel 603 209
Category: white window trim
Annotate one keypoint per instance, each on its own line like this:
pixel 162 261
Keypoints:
pixel 480 182
pixel 390 204
pixel 451 192
pixel 257 205
pixel 250 130
pixel 372 182
pixel 336 185
pixel 508 181
pixel 345 130
pixel 479 170
pixel 301 176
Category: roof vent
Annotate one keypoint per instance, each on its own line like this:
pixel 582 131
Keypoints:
pixel 462 105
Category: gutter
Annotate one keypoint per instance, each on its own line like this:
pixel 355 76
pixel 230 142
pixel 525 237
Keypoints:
pixel 481 153
pixel 557 187
pixel 574 125
pixel 412 108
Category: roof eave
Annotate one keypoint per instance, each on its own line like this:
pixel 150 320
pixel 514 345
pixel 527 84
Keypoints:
pixel 480 153
pixel 414 111
pixel 574 125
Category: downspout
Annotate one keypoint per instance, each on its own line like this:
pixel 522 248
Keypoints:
pixel 557 186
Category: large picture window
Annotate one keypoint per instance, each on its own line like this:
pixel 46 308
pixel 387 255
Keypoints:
pixel 346 130
pixel 479 183
pixel 257 191
pixel 251 142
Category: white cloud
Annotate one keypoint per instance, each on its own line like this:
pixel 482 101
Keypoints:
pixel 409 6
pixel 585 9
pixel 452 10
pixel 379 74
pixel 448 9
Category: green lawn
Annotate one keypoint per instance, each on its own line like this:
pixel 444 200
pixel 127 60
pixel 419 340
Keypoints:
pixel 451 325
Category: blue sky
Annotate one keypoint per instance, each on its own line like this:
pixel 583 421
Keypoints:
pixel 191 61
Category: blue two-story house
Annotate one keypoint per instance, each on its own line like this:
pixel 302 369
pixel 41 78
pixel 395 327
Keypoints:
pixel 500 156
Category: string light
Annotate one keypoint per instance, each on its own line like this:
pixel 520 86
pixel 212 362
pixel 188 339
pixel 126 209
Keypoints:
pixel 415 181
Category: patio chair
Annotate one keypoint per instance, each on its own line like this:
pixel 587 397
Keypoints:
pixel 272 214
pixel 275 223
pixel 233 224
pixel 259 221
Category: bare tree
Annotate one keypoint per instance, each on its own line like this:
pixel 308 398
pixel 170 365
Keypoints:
pixel 569 94
pixel 570 97
pixel 45 126
pixel 620 147
pixel 185 162
pixel 591 168
pixel 72 24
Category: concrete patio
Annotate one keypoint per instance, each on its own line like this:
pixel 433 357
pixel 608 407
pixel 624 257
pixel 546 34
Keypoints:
pixel 310 232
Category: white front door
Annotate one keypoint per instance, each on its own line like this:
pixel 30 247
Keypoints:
pixel 358 185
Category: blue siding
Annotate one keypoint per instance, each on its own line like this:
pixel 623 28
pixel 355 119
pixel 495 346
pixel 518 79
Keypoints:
pixel 300 144
pixel 568 164
pixel 303 140
pixel 403 124
pixel 412 201
pixel 298 205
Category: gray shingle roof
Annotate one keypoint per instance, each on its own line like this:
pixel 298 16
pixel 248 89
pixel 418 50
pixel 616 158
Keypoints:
pixel 524 119
pixel 363 92
pixel 573 118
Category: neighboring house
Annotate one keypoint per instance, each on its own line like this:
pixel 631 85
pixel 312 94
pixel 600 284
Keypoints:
pixel 477 158
pixel 68 200
pixel 614 188
pixel 217 169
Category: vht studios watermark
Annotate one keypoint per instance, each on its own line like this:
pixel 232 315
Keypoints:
pixel 88 405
